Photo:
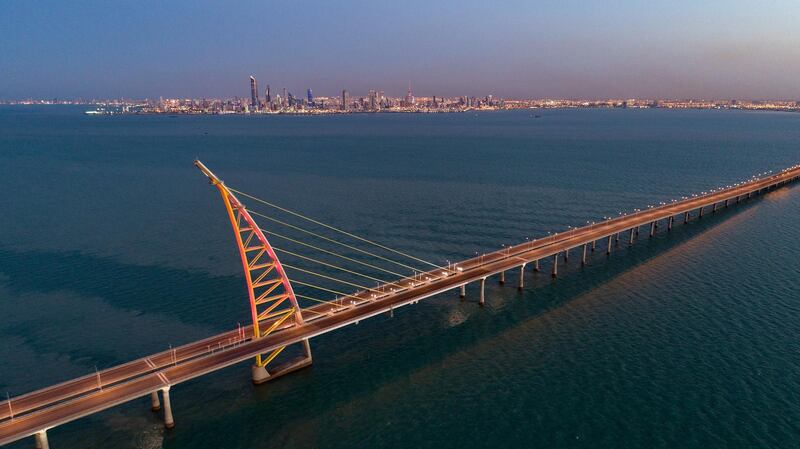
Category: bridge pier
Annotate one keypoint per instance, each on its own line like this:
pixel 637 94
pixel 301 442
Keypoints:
pixel 259 373
pixel 714 209
pixel 737 199
pixel 726 203
pixel 630 239
pixel 700 214
pixel 483 292
pixel 463 293
pixel 583 258
pixel 155 404
pixel 594 245
pixel 608 250
pixel 652 228
pixel 555 265
pixel 502 277
pixel 169 422
pixel 536 265
pixel 616 237
pixel 41 440
pixel 669 223
pixel 521 277
pixel 685 217
pixel 566 255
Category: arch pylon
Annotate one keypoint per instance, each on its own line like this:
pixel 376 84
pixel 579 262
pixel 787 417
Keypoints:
pixel 273 304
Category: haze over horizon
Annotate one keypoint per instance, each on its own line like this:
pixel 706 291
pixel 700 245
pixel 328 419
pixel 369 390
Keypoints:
pixel 556 49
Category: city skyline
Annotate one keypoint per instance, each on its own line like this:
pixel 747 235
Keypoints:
pixel 521 50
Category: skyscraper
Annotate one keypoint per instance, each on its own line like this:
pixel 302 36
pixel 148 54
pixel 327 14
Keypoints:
pixel 253 93
pixel 409 96
pixel 310 97
pixel 268 98
pixel 374 105
pixel 344 100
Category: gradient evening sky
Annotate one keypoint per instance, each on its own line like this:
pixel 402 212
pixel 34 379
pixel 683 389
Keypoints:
pixel 531 49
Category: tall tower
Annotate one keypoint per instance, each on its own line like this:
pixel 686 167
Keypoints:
pixel 373 100
pixel 268 98
pixel 409 96
pixel 253 93
pixel 310 97
pixel 344 100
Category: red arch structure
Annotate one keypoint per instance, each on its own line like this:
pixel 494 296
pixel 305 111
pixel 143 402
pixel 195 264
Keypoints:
pixel 273 304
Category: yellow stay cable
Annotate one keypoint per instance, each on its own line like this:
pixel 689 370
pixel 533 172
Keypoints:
pixel 334 228
pixel 294 281
pixel 333 266
pixel 331 240
pixel 313 273
pixel 281 236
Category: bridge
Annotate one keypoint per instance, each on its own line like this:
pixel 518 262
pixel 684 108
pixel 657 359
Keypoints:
pixel 280 317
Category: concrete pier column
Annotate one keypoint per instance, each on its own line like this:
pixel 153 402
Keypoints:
pixel 155 404
pixel 583 258
pixel 41 440
pixel 637 231
pixel 307 345
pixel 669 223
pixel 502 277
pixel 463 293
pixel 700 214
pixel 608 250
pixel 168 421
pixel 652 228
pixel 536 265
pixel 594 245
pixel 521 277
pixel 566 255
pixel 737 199
pixel 726 203
pixel 260 374
pixel 685 217
pixel 630 239
pixel 714 209
pixel 555 265
pixel 483 292
pixel 616 237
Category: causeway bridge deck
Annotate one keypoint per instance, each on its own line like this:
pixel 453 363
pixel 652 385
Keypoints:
pixel 38 411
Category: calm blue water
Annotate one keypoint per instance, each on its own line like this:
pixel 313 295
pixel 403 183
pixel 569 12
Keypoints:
pixel 113 246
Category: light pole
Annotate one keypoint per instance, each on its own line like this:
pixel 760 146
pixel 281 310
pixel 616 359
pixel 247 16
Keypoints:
pixel 99 384
pixel 10 409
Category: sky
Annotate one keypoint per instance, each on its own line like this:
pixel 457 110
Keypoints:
pixel 512 49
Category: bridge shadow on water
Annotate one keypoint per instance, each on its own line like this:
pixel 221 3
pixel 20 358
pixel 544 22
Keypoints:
pixel 52 292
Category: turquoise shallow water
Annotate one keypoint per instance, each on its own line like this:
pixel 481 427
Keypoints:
pixel 113 246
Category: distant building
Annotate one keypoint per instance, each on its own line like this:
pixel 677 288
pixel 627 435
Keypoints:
pixel 310 97
pixel 374 104
pixel 344 100
pixel 409 96
pixel 253 94
pixel 268 98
